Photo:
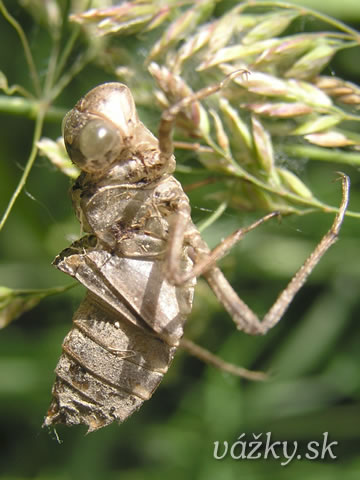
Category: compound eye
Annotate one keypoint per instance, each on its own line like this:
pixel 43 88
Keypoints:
pixel 95 146
pixel 98 139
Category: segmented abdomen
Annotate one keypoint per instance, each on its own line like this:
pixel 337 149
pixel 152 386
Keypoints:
pixel 108 367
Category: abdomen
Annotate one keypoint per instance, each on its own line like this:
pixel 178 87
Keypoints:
pixel 108 368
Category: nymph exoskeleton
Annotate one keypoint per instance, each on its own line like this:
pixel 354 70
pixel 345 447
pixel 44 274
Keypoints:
pixel 139 261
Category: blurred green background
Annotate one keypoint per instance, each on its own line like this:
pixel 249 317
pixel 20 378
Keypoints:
pixel 313 354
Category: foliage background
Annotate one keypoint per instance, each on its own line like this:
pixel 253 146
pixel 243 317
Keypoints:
pixel 313 354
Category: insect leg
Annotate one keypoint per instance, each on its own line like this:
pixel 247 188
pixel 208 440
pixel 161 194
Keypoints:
pixel 204 258
pixel 168 117
pixel 242 315
pixel 217 362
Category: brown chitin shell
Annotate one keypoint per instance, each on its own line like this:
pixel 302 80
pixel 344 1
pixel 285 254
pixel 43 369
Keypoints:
pixel 127 329
pixel 107 369
pixel 124 337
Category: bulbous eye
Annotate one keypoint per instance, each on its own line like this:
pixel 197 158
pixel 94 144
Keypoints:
pixel 94 146
pixel 98 139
